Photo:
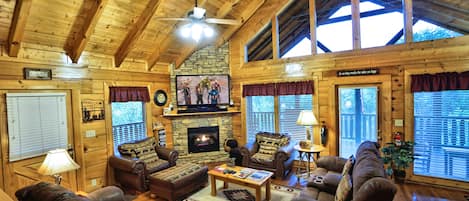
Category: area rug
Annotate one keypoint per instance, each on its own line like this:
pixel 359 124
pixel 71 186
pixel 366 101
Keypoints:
pixel 277 193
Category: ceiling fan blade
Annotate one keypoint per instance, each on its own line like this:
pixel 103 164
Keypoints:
pixel 172 19
pixel 223 21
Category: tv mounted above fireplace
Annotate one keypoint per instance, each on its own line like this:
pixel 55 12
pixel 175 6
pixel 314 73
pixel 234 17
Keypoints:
pixel 202 90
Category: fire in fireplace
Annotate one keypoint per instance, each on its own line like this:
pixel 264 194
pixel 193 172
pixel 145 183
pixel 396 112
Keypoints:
pixel 203 139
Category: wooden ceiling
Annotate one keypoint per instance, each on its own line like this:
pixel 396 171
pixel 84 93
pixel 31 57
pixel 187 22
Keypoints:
pixel 125 29
pixel 129 29
pixel 294 21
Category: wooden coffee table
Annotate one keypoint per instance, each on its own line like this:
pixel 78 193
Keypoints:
pixel 229 178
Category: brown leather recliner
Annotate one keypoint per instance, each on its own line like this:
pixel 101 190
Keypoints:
pixel 44 191
pixel 262 155
pixel 139 159
pixel 368 177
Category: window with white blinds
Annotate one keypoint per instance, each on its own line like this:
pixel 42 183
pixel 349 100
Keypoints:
pixel 290 107
pixel 441 132
pixel 37 123
pixel 261 116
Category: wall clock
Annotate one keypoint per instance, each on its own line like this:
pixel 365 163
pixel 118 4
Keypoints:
pixel 160 97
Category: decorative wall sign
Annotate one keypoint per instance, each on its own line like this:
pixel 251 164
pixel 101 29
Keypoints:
pixel 37 74
pixel 92 110
pixel 343 73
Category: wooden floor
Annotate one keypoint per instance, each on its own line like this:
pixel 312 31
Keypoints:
pixel 405 192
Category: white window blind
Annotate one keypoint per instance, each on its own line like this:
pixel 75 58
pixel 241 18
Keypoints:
pixel 441 132
pixel 290 107
pixel 260 115
pixel 37 123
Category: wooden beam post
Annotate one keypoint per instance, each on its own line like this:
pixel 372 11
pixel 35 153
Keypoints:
pixel 312 26
pixel 275 35
pixel 134 34
pixel 20 16
pixel 356 24
pixel 408 23
pixel 77 41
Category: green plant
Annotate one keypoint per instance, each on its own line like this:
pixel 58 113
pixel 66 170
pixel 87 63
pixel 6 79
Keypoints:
pixel 398 158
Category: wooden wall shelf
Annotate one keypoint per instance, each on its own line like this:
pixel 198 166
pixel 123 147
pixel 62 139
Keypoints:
pixel 175 114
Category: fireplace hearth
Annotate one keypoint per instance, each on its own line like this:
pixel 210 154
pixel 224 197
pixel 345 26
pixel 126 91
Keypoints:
pixel 203 139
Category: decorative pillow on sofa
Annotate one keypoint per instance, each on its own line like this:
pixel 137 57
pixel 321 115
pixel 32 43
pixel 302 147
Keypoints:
pixel 348 165
pixel 344 190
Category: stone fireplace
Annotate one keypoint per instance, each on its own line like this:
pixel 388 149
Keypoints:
pixel 203 139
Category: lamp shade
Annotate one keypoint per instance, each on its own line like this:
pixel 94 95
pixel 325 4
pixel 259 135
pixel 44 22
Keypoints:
pixel 307 118
pixel 57 161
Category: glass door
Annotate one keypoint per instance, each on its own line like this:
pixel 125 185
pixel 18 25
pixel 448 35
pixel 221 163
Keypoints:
pixel 358 117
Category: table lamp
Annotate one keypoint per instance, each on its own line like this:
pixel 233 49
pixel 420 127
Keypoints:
pixel 57 161
pixel 307 119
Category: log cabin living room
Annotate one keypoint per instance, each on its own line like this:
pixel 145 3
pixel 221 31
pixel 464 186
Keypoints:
pixel 120 100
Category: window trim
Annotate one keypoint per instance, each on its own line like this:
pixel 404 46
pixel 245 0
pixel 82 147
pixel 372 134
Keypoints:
pixel 314 79
pixel 409 122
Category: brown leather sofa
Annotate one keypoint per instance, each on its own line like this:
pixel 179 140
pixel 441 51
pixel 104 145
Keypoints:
pixel 279 162
pixel 137 160
pixel 44 191
pixel 368 177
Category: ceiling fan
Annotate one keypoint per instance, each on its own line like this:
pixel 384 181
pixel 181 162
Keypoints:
pixel 197 15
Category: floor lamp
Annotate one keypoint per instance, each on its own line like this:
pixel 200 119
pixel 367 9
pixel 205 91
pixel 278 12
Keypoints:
pixel 307 119
pixel 57 161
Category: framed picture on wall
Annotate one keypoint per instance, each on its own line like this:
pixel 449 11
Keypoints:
pixel 37 74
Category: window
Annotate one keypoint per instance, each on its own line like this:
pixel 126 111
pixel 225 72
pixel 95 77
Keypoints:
pixel 128 121
pixel 424 31
pixel 261 115
pixel 37 123
pixel 441 133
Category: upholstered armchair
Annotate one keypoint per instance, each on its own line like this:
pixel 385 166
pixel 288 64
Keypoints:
pixel 270 151
pixel 139 159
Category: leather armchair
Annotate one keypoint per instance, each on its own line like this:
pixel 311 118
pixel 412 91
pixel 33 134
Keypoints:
pixel 131 171
pixel 44 191
pixel 281 161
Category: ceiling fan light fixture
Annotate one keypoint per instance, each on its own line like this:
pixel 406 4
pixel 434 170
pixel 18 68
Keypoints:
pixel 196 31
pixel 208 31
pixel 186 31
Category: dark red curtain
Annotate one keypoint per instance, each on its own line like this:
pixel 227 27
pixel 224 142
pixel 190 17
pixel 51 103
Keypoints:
pixel 259 90
pixel 440 82
pixel 274 89
pixel 294 88
pixel 125 94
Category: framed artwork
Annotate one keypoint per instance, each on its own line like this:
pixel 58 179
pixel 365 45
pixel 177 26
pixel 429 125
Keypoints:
pixel 37 74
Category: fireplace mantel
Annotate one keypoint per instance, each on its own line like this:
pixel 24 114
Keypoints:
pixel 175 114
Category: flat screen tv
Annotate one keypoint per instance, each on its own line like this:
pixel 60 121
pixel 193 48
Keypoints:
pixel 202 90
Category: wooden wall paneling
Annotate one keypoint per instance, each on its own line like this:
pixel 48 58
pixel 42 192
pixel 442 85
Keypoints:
pixel 135 32
pixel 18 24
pixel 409 114
pixel 78 141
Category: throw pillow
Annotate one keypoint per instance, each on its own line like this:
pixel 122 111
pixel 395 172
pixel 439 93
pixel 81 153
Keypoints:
pixel 344 190
pixel 348 166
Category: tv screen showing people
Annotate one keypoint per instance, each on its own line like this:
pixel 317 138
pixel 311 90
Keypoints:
pixel 202 90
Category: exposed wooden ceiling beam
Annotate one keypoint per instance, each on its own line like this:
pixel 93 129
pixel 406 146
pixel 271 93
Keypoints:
pixel 18 23
pixel 135 32
pixel 224 10
pixel 253 6
pixel 77 41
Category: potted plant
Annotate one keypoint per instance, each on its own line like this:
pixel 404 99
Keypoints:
pixel 398 158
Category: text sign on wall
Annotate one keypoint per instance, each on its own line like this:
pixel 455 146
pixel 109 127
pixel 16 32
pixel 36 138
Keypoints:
pixel 343 73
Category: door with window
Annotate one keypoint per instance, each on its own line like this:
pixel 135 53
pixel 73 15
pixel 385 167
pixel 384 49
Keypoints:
pixel 357 117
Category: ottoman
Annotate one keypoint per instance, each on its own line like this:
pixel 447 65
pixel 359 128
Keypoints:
pixel 176 181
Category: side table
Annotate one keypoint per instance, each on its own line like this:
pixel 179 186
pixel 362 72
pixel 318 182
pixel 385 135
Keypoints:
pixel 305 156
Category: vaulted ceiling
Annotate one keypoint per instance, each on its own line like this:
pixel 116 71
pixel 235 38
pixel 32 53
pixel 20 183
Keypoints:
pixel 130 29
pixel 126 29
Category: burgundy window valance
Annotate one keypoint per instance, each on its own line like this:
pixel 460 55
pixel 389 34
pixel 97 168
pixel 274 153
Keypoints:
pixel 274 89
pixel 440 82
pixel 125 94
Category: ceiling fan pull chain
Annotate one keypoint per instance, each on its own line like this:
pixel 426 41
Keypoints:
pixel 195 3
